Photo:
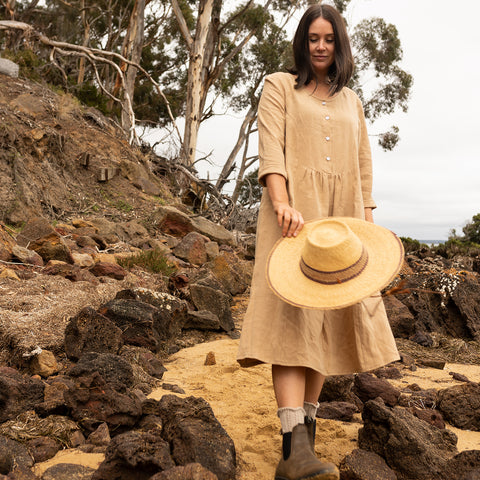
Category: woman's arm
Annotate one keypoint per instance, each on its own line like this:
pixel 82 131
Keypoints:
pixel 289 220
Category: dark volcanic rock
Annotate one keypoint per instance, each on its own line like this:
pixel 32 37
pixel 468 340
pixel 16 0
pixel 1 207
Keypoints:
pixel 53 400
pixel 422 338
pixel 20 473
pixel 342 411
pixel 171 311
pixel 337 388
pixel 101 436
pixel 433 417
pixel 135 455
pixel 399 316
pixel 18 393
pixel 460 405
pixel 13 453
pixel 90 331
pixel 196 436
pixel 363 465
pixel 419 398
pixel 192 471
pixel 444 302
pixel 144 359
pixel 464 466
pixel 391 372
pixel 68 471
pixel 43 448
pixel 92 401
pixel 136 319
pixel 217 302
pixel 367 387
pixel 411 447
pixel 114 369
pixel 202 320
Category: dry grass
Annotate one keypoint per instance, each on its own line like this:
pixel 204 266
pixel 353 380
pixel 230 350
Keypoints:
pixel 28 425
pixel 447 349
pixel 35 312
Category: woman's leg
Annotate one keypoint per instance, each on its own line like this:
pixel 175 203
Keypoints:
pixel 289 385
pixel 313 385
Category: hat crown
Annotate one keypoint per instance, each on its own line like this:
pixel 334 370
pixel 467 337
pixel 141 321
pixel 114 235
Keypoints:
pixel 331 246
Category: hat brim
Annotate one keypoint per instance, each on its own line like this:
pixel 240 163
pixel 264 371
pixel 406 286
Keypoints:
pixel 285 278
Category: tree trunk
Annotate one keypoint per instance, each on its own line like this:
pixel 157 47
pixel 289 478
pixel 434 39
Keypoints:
pixel 132 50
pixel 86 38
pixel 196 88
pixel 242 135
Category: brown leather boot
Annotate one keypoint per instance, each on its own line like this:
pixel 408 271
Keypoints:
pixel 311 424
pixel 298 461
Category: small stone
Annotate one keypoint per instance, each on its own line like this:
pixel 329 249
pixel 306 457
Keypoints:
pixel 44 364
pixel 77 439
pixel 100 437
pixel 210 359
pixel 173 388
pixel 9 273
pixel 459 377
pixel 438 364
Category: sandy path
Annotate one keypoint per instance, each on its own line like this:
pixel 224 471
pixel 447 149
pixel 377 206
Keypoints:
pixel 243 402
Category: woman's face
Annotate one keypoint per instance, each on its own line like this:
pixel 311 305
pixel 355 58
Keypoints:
pixel 321 42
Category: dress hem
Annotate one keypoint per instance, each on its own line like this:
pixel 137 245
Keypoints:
pixel 252 362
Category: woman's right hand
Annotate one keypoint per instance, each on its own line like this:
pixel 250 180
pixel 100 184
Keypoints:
pixel 289 220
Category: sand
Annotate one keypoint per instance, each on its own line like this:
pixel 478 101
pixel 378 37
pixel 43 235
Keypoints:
pixel 243 402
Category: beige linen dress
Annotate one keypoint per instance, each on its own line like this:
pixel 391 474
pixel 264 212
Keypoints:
pixel 321 147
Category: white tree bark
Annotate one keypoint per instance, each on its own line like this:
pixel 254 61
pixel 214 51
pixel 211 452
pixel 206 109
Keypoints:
pixel 132 49
pixel 195 86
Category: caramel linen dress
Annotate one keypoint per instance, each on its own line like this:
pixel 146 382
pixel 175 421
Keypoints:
pixel 321 147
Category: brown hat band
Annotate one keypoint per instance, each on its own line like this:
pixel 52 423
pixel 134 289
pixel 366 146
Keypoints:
pixel 337 276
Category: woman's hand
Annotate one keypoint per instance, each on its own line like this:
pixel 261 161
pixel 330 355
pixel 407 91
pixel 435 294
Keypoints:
pixel 289 220
pixel 369 215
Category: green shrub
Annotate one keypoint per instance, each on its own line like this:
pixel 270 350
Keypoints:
pixel 457 246
pixel 150 260
pixel 412 245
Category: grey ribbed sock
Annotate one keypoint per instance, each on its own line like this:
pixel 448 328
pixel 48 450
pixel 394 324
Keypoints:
pixel 290 417
pixel 310 409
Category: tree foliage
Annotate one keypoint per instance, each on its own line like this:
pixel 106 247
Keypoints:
pixel 471 230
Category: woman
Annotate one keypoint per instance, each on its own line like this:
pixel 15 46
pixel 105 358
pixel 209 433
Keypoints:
pixel 315 162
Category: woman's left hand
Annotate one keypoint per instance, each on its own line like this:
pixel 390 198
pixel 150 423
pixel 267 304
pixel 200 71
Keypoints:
pixel 369 215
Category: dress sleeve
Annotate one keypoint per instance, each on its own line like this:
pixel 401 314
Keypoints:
pixel 365 160
pixel 271 129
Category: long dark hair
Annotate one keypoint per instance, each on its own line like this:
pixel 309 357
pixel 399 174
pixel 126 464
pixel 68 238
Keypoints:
pixel 341 69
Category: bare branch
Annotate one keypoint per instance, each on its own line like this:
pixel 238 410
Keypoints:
pixel 182 25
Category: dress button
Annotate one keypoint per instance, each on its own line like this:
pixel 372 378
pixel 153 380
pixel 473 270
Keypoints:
pixel 328 159
pixel 327 138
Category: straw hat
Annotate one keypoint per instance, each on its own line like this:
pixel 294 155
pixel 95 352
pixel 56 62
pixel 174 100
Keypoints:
pixel 333 263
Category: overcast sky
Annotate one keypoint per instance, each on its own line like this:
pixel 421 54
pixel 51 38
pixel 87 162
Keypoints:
pixel 430 183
